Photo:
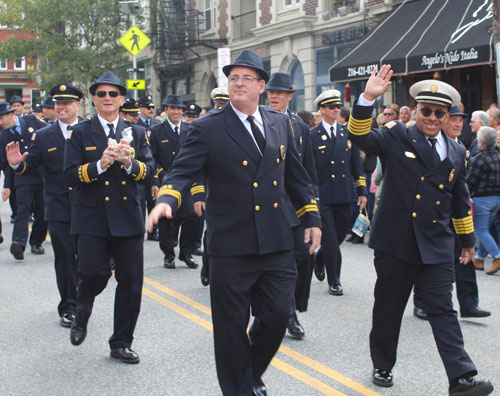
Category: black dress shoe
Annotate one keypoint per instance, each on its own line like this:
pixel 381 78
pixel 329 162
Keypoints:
pixel 350 238
pixel 319 271
pixel 259 389
pixel 475 312
pixel 78 333
pixel 295 329
pixel 67 319
pixel 356 240
pixel 420 313
pixel 188 259
pixel 336 290
pixel 470 387
pixel 169 262
pixel 382 378
pixel 205 281
pixel 37 249
pixel 126 355
pixel 153 237
pixel 17 250
pixel 197 252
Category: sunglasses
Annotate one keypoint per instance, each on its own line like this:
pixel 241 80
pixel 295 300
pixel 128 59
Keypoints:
pixel 389 114
pixel 112 94
pixel 427 111
pixel 332 106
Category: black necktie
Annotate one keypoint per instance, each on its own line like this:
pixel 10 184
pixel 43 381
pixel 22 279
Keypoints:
pixel 176 129
pixel 332 134
pixel 111 131
pixel 148 122
pixel 435 154
pixel 257 134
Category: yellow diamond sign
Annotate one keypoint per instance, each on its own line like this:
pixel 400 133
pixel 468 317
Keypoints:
pixel 135 40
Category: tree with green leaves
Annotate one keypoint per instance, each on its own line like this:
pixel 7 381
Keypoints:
pixel 65 40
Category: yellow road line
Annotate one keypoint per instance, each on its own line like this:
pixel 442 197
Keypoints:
pixel 277 363
pixel 320 368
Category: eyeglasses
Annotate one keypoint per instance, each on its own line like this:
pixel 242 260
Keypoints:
pixel 332 106
pixel 245 79
pixel 112 94
pixel 427 111
pixel 389 114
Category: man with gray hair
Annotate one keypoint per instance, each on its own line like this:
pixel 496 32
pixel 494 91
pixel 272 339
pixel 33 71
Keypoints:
pixel 494 117
pixel 479 118
pixel 483 179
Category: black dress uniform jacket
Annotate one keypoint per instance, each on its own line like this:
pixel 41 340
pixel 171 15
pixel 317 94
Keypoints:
pixel 47 150
pixel 246 194
pixel 29 124
pixel 337 164
pixel 114 192
pixel 417 195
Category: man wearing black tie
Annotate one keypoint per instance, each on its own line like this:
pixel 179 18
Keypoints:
pixel 104 160
pixel 250 163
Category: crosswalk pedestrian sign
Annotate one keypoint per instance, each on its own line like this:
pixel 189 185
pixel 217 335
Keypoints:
pixel 135 40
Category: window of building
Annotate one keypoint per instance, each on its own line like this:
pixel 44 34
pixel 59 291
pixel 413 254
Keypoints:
pixel 9 93
pixel 20 64
pixel 209 14
pixel 297 74
pixel 3 64
pixel 338 8
pixel 290 2
pixel 244 19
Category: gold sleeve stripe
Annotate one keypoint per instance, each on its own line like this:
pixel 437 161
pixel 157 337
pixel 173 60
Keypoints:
pixel 168 191
pixel 21 171
pixel 83 174
pixel 464 226
pixel 305 209
pixel 142 171
pixel 197 190
pixel 359 127
pixel 360 183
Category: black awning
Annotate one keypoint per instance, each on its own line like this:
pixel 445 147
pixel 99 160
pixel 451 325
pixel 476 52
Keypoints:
pixel 423 35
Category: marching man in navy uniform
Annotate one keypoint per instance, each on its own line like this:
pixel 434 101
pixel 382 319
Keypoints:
pixel 424 185
pixel 27 189
pixel 47 152
pixel 338 163
pixel 251 163
pixel 103 161
pixel 166 140
pixel 279 94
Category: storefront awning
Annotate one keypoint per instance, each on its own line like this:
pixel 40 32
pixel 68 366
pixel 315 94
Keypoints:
pixel 423 35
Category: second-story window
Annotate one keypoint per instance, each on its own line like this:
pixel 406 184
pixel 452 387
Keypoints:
pixel 210 14
pixel 20 64
pixel 3 64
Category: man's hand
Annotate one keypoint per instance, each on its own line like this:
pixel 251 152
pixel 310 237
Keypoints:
pixel 378 83
pixel 467 254
pixel 154 192
pixel 124 150
pixel 109 156
pixel 313 233
pixel 5 194
pixel 159 211
pixel 199 207
pixel 362 201
pixel 14 156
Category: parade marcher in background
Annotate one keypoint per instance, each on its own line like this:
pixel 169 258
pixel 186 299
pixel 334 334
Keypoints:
pixel 106 217
pixel 47 152
pixel 191 113
pixel 220 97
pixel 28 189
pixel 166 140
pixel 483 179
pixel 279 94
pixel 37 110
pixel 130 110
pixel 404 114
pixel 17 104
pixel 251 163
pixel 466 135
pixel 49 111
pixel 465 275
pixel 338 162
pixel 424 190
pixel 147 120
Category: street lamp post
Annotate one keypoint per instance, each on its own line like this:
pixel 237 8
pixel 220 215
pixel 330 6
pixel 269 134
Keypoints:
pixel 132 8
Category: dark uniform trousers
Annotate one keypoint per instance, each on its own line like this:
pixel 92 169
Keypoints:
pixel 165 145
pixel 28 188
pixel 412 239
pixel 249 238
pixel 338 163
pixel 107 220
pixel 47 152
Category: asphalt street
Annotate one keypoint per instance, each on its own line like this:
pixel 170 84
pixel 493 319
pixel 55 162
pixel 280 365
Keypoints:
pixel 174 336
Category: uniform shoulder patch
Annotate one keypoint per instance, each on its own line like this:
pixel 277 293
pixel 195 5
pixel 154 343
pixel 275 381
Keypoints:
pixel 391 124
